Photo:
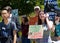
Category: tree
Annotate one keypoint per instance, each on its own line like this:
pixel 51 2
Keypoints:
pixel 24 6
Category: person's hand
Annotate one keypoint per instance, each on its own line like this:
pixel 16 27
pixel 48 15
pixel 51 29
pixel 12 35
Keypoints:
pixel 46 15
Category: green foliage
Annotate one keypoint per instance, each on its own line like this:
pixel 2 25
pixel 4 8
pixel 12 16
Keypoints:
pixel 0 18
pixel 58 2
pixel 24 6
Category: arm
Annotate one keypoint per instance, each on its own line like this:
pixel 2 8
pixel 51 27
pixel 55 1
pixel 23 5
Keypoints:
pixel 53 28
pixel 15 36
pixel 14 32
pixel 49 23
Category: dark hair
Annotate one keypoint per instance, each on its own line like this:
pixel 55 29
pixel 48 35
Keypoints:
pixel 58 18
pixel 25 19
pixel 40 21
pixel 58 15
pixel 4 9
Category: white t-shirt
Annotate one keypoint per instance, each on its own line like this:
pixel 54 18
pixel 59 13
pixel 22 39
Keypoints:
pixel 57 41
pixel 47 32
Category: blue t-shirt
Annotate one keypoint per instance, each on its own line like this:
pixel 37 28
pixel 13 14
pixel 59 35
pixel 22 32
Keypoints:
pixel 7 30
pixel 57 30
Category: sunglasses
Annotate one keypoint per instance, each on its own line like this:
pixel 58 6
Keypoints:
pixel 36 9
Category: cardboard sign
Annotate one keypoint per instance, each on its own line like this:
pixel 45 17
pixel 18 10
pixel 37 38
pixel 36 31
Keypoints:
pixel 35 32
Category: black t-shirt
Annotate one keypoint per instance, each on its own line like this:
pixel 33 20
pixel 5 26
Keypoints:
pixel 25 29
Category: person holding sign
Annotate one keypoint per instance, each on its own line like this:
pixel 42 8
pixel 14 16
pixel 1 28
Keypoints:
pixel 47 26
pixel 34 19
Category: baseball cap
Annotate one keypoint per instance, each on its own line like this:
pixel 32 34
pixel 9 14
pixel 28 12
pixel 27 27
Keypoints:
pixel 36 7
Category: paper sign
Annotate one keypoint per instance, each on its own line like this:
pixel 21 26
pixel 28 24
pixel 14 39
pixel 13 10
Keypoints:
pixel 35 32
